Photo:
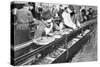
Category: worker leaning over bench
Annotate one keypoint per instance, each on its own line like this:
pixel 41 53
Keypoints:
pixel 67 18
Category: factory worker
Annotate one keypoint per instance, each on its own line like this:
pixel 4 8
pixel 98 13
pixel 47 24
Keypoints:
pixel 43 28
pixel 40 29
pixel 60 11
pixel 83 11
pixel 77 19
pixel 24 17
pixel 67 18
pixel 49 26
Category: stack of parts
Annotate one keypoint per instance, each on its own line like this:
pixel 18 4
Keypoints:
pixel 51 57
pixel 74 40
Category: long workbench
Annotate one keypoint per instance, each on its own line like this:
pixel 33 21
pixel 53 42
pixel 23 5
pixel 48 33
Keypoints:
pixel 20 59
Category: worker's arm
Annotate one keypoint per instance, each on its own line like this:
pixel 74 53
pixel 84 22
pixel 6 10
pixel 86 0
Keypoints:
pixel 44 22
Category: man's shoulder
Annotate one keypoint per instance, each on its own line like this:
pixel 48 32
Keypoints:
pixel 23 10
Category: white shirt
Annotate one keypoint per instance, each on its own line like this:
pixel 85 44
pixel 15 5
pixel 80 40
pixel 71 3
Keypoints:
pixel 67 20
pixel 48 30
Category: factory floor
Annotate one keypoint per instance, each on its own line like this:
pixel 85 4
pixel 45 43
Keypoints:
pixel 89 52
